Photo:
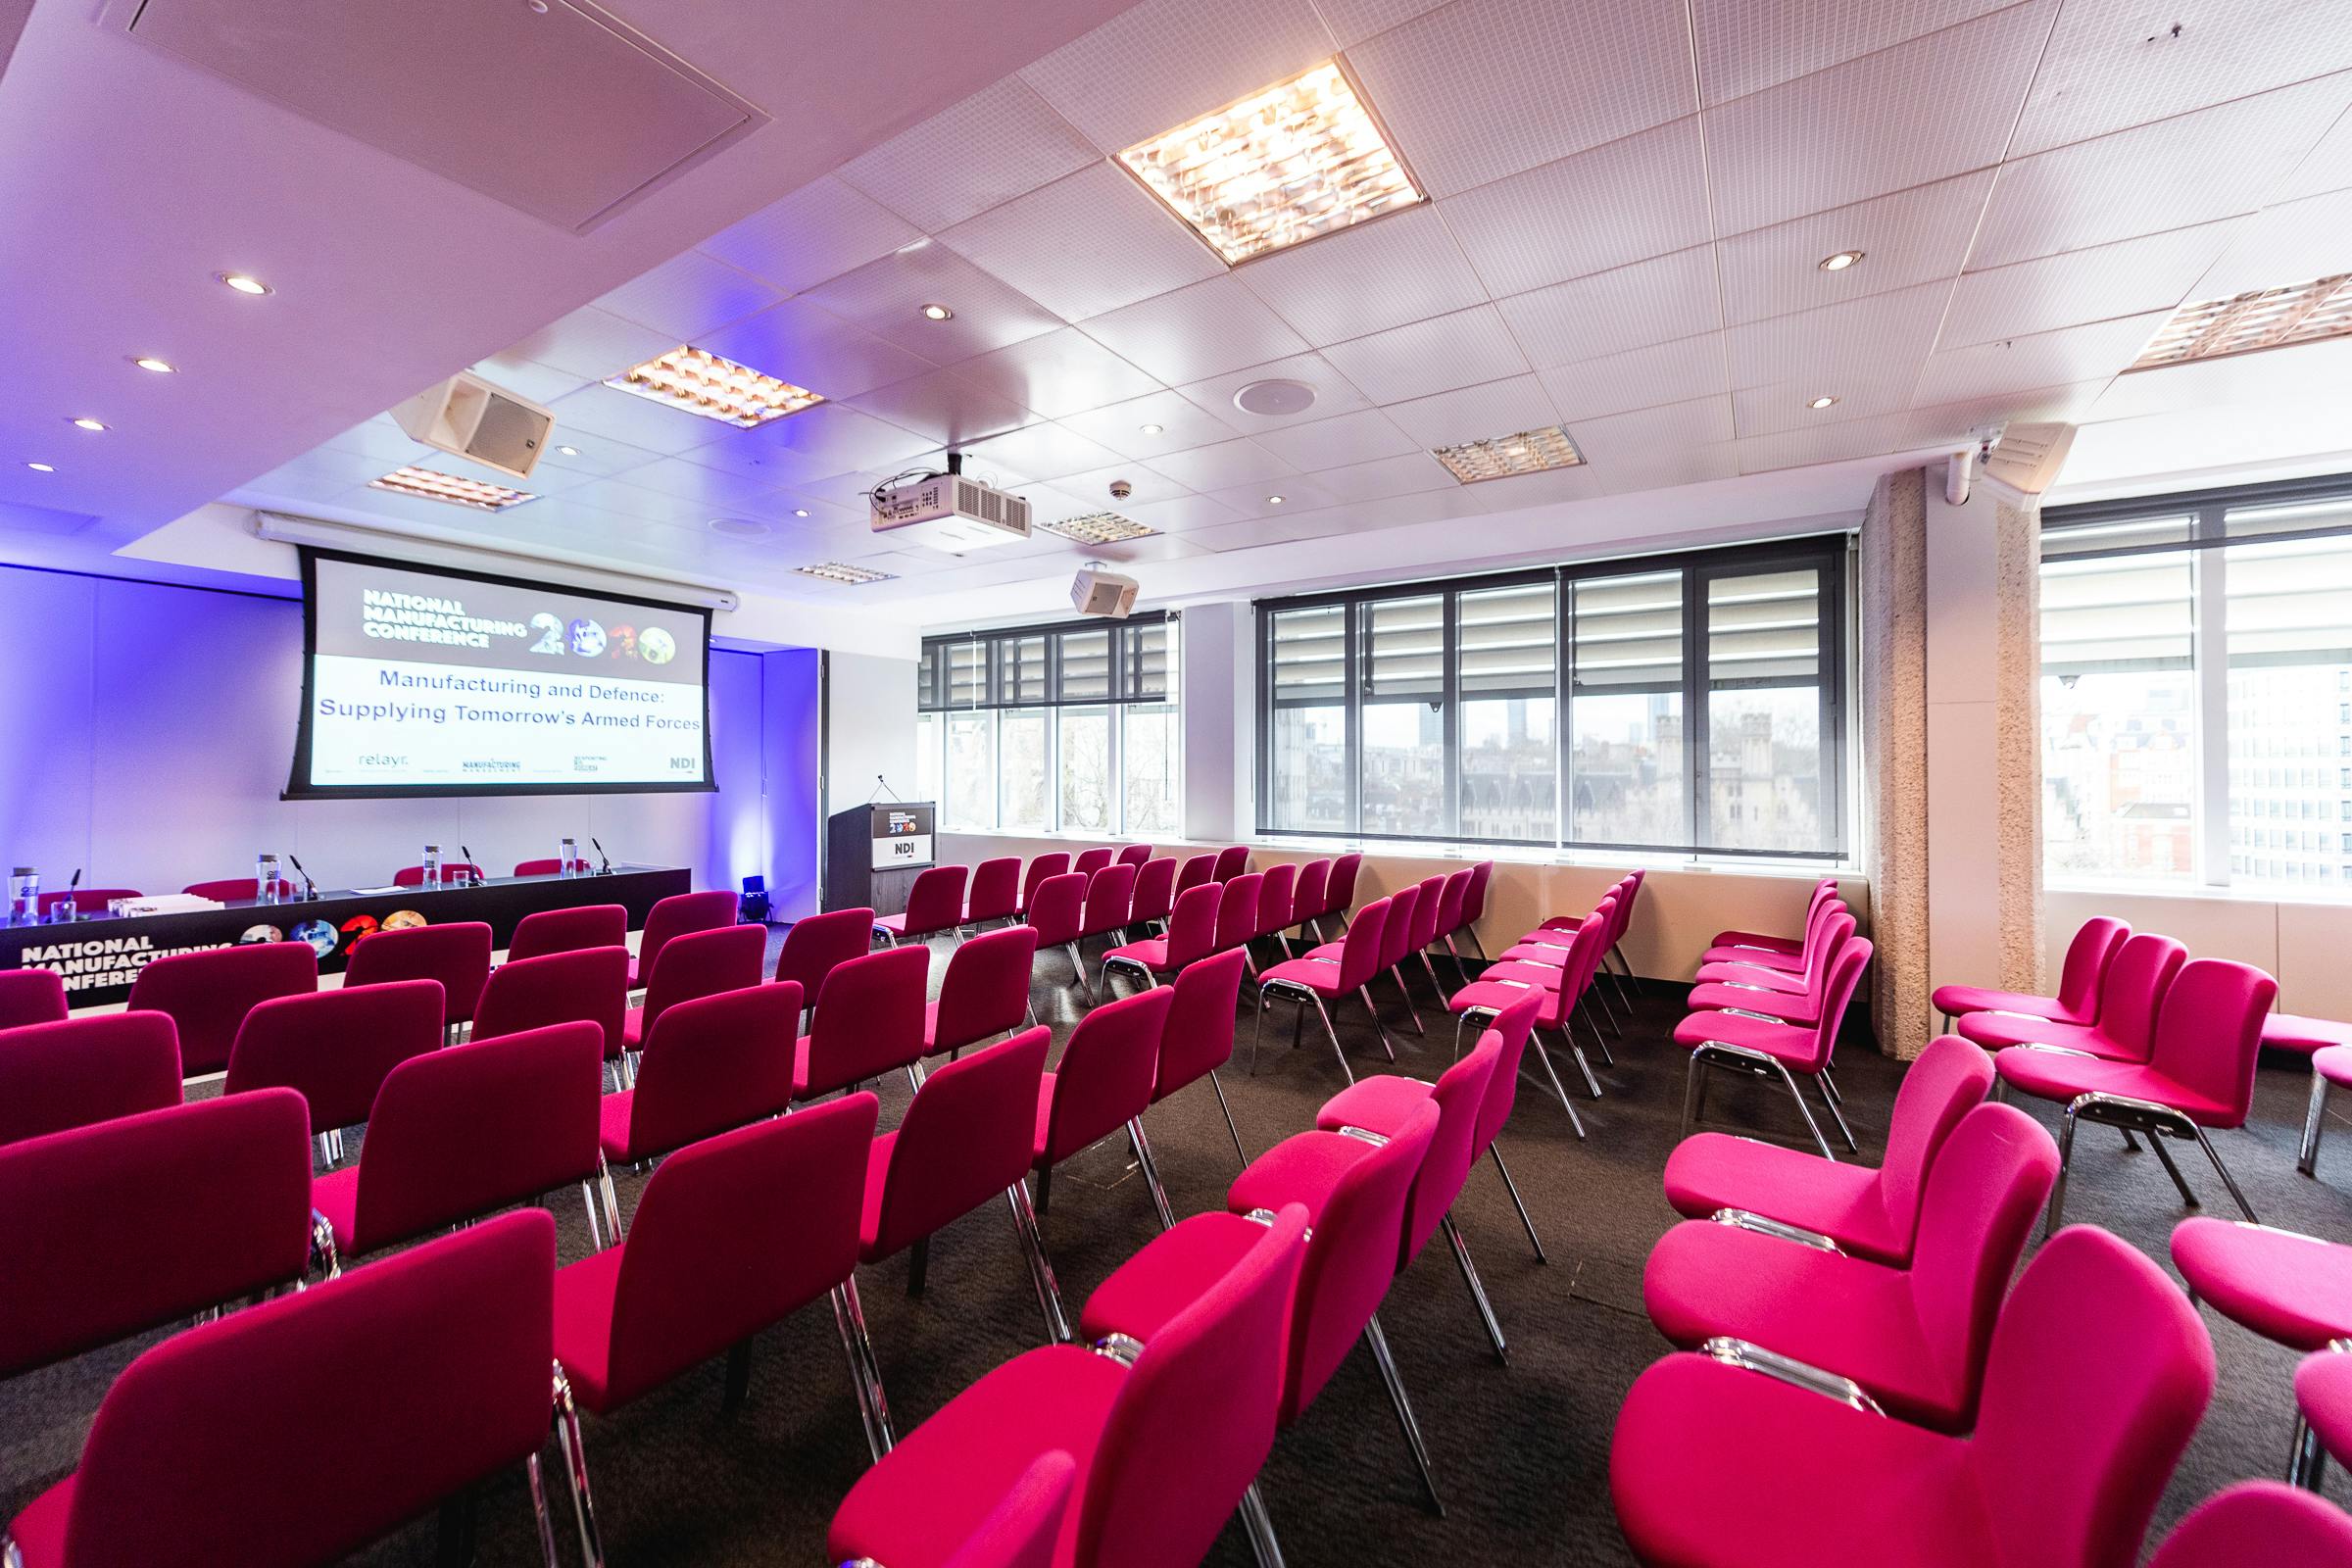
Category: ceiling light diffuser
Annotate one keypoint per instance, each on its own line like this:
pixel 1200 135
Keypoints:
pixel 700 381
pixel 42 468
pixel 88 423
pixel 800 511
pixel 1501 457
pixel 1098 528
pixel 149 361
pixel 1152 429
pixel 835 571
pixel 2245 323
pixel 433 486
pixel 243 284
pixel 1301 158
pixel 938 313
pixel 1821 403
pixel 570 452
pixel 1840 262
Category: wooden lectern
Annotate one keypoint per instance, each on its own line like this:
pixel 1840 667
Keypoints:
pixel 873 852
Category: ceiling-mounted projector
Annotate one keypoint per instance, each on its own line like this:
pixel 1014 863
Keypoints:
pixel 472 418
pixel 1097 592
pixel 949 512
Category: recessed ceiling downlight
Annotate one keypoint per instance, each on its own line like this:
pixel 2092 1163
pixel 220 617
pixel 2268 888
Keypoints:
pixel 86 423
pixel 41 468
pixel 244 282
pixel 148 361
pixel 938 313
pixel 1821 403
pixel 1840 262
pixel 1274 397
pixel 740 527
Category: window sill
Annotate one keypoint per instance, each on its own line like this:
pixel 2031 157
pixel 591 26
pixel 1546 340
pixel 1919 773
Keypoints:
pixel 2197 891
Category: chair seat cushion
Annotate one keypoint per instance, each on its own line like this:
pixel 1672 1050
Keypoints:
pixel 1151 952
pixel 1326 952
pixel 1314 974
pixel 1783 1042
pixel 1998 1031
pixel 632 1029
pixel 1788 982
pixel 1956 1000
pixel 2324 1392
pixel 1691 1429
pixel 1757 958
pixel 2288 1031
pixel 1716 1171
pixel 1485 994
pixel 612 1126
pixel 1303 1169
pixel 1549 954
pixel 1166 1275
pixel 1786 1007
pixel 948 1474
pixel 336 1195
pixel 1381 1104
pixel 2284 1286
pixel 1557 932
pixel 39 1531
pixel 638 973
pixel 2053 1075
pixel 1758 939
pixel 585 1295
pixel 2334 1063
pixel 1846 1314
pixel 895 924
pixel 1546 975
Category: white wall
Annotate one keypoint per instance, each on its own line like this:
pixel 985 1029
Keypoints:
pixel 1215 687
pixel 2301 945
pixel 869 729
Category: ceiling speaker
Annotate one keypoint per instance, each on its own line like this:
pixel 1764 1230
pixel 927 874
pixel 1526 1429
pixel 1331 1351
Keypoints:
pixel 471 417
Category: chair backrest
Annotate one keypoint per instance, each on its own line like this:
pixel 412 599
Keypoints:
pixel 714 1063
pixel 457 1133
pixel 335 1048
pixel 1236 908
pixel 1021 1530
pixel 1193 924
pixel 1090 862
pixel 1274 893
pixel 209 1447
pixel 2089 958
pixel 208 993
pixel 1135 854
pixel 1155 890
pixel 1585 950
pixel 814 943
pixel 136 1221
pixel 457 954
pixel 1632 895
pixel 1107 1071
pixel 986 991
pixel 1845 974
pixel 703 963
pixel 1198 870
pixel 1198 1037
pixel 1055 905
pixel 230 889
pixel 2144 971
pixel 1951 1078
pixel 770 1209
pixel 2075 1480
pixel 78 1071
pixel 936 901
pixel 452 872
pixel 1232 861
pixel 1397 927
pixel 1309 890
pixel 1833 936
pixel 968 1135
pixel 2259 1521
pixel 1190 1428
pixel 1041 869
pixel 2209 1033
pixel 31 996
pixel 678 914
pixel 869 1020
pixel 86 901
pixel 1109 896
pixel 586 925
pixel 1339 892
pixel 1366 940
pixel 1424 928
pixel 1460 1090
pixel 1352 1258
pixel 1448 916
pixel 553 865
pixel 1817 925
pixel 1513 1025
pixel 1822 891
pixel 995 892
pixel 1983 1196
pixel 1474 897
pixel 590 984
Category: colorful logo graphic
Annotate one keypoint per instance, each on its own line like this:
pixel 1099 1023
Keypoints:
pixel 400 921
pixel 318 934
pixel 355 928
pixel 624 642
pixel 587 638
pixel 260 933
pixel 656 645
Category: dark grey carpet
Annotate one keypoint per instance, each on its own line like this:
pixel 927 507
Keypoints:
pixel 1522 1455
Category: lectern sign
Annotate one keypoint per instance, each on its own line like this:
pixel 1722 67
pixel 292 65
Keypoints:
pixel 901 836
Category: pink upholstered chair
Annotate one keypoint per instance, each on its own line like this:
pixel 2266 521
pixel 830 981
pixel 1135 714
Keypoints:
pixel 1232 861
pixel 236 889
pixel 710 1065
pixel 675 916
pixel 1274 899
pixel 1237 913
pixel 2051 1481
pixel 31 996
pixel 1198 1037
pixel 87 901
pixel 1802 1008
pixel 1136 855
pixel 1792 973
pixel 586 984
pixel 1338 892
pixel 80 1072
pixel 2293 1289
pixel 995 890
pixel 1154 894
pixel 1042 868
pixel 456 955
pixel 1474 905
pixel 1103 1085
pixel 2080 980
pixel 1424 932
pixel 1754 945
pixel 2144 971
pixel 1021 1531
pixel 816 943
pixel 543 932
pixel 2323 1415
pixel 206 992
pixel 1320 983
pixel 1538 945
pixel 1196 871
pixel 454 873
pixel 1763 1047
pixel 1109 896
pixel 1089 861
pixel 986 992
pixel 868 1021
pixel 553 865
pixel 699 963
pixel 933 904
pixel 1057 906
pixel 1192 936
pixel 1307 896
pixel 336 1049
pixel 1559 989
pixel 2259 1521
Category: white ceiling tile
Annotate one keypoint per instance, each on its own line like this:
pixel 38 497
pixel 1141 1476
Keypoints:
pixel 1167 61
pixel 1747 45
pixel 381 438
pixel 1003 141
pixel 1911 237
pixel 638 422
pixel 1405 475
pixel 1635 198
pixel 1438 355
pixel 2152 272
pixel 2313 375
pixel 288 484
pixel 599 457
pixel 1915 113
pixel 1873 337
pixel 1951 422
pixel 2283 244
pixel 1044 451
pixel 707 488
pixel 819 231
pixel 1663 471
pixel 1146 487
pixel 2328 168
pixel 342 467
pixel 942 406
pixel 1358 438
pixel 832 434
pixel 1184 513
pixel 1258 532
pixel 1352 21
pixel 689 295
pixel 771 462
pixel 672 507
pixel 1787 404
pixel 1833 443
pixel 1335 394
pixel 886 297
pixel 1087 243
pixel 1484 88
pixel 1475 412
pixel 2046 358
pixel 1639 379
pixel 1223 466
pixel 2113 64
pixel 1299 494
pixel 1059 373
pixel 592 344
pixel 1547 488
pixel 1649 301
pixel 808 347
pixel 1399 267
pixel 541 384
pixel 2189 170
pixel 1669 427
pixel 1205 329
pixel 1182 423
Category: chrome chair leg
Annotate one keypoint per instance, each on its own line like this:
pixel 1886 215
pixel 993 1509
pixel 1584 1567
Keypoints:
pixel 1830 1103
pixel 1405 991
pixel 1378 1346
pixel 1478 1289
pixel 865 1373
pixel 1559 1091
pixel 1380 1029
pixel 2066 1166
pixel 539 1515
pixel 596 1235
pixel 2223 1171
pixel 2164 1156
pixel 1239 1150
pixel 1811 1125
pixel 1040 1269
pixel 1599 996
pixel 1151 1169
pixel 2307 1158
pixel 1598 1039
pixel 576 1458
pixel 1257 1033
pixel 1582 1065
pixel 2307 1460
pixel 1511 1187
pixel 1476 946
pixel 1260 1525
pixel 1332 1030
pixel 1455 954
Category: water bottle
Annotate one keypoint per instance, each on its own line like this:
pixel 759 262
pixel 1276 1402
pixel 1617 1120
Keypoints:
pixel 569 863
pixel 432 866
pixel 265 879
pixel 24 895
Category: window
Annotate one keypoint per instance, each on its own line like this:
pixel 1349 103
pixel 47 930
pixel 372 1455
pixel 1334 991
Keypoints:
pixel 1692 701
pixel 2195 650
pixel 1047 729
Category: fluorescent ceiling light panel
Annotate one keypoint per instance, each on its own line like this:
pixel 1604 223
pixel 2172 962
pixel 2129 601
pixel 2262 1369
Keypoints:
pixel 448 487
pixel 1098 528
pixel 2259 318
pixel 1301 158
pixel 1501 457
pixel 700 381
pixel 835 571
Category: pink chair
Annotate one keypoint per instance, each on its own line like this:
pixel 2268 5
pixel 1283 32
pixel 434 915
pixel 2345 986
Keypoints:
pixel 1339 890
pixel 2329 1065
pixel 336 1049
pixel 1198 870
pixel 1198 1037
pixel 460 1133
pixel 545 932
pixel 675 916
pixel 816 943
pixel 868 1021
pixel 1090 862
pixel 456 955
pixel 1801 1008
pixel 1056 909
pixel 2292 1031
pixel 208 993
pixel 80 1071
pixel 1192 937
pixel 1168 1432
pixel 133 1223
pixel 2323 1415
pixel 1755 945
pixel 1274 899
pixel 1766 1049
pixel 2258 1521
pixel 211 1447
pixel 986 992
pixel 1870 1213
pixel 1627 983
pixel 2144 969
pixel 1557 993
pixel 2200 1076
pixel 1109 897
pixel 995 892
pixel 87 901
pixel 968 1135
pixel 2088 959
pixel 1307 897
pixel 1474 905
pixel 732 1235
pixel 710 1065
pixel 2056 1483
pixel 589 985
pixel 1396 938
pixel 700 963
pixel 1423 933
pixel 1042 868
pixel 31 996
pixel 232 889
pixel 454 873
pixel 1022 1530
pixel 1232 861
pixel 1914 1338
pixel 1322 981
pixel 2288 1287
pixel 1237 913
pixel 1154 894
pixel 553 865
pixel 1103 1085
pixel 1134 855
pixel 1769 972
pixel 935 903
pixel 1448 917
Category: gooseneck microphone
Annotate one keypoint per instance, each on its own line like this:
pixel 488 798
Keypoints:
pixel 474 872
pixel 604 869
pixel 309 889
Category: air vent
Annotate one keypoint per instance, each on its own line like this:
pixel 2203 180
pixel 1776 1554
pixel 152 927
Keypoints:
pixel 991 506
